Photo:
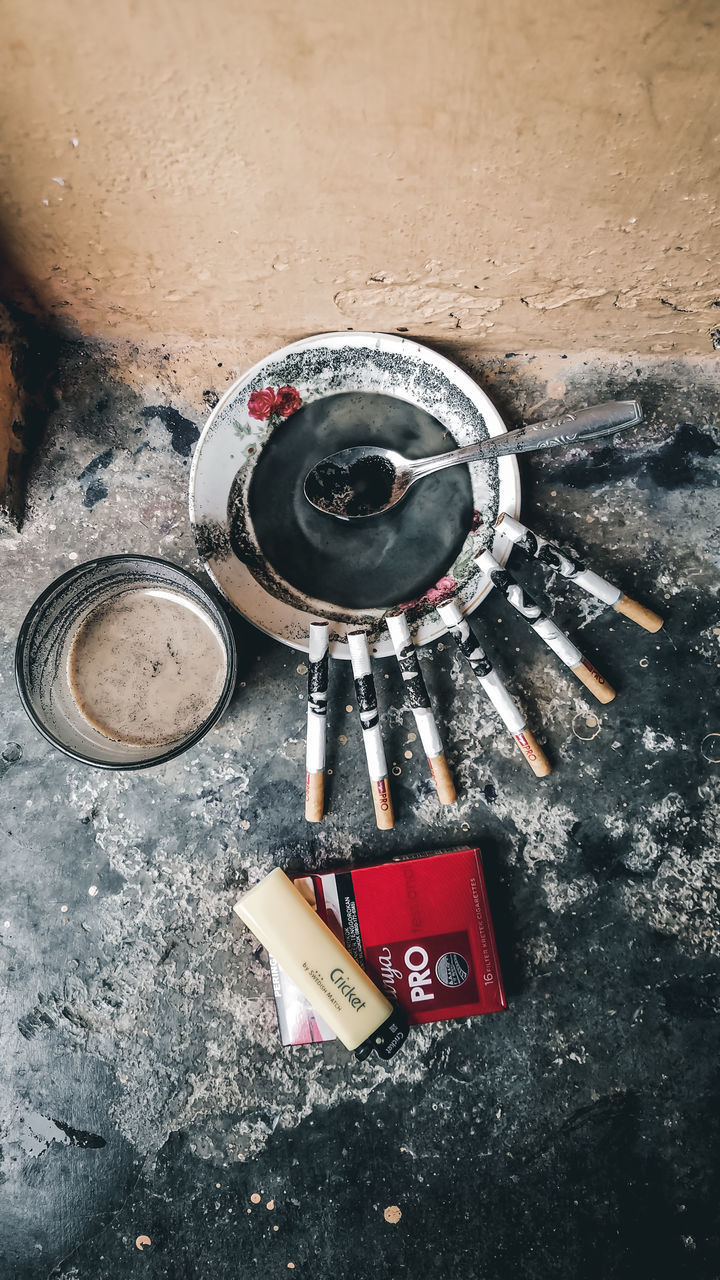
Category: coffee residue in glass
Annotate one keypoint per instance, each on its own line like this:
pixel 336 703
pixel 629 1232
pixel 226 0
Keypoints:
pixel 147 667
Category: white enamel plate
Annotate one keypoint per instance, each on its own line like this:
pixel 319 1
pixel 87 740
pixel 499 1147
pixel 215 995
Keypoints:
pixel 263 401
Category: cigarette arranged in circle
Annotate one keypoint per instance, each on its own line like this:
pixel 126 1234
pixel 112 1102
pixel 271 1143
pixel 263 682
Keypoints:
pixel 372 738
pixel 316 722
pixel 569 567
pixel 554 638
pixel 419 700
pixel 507 708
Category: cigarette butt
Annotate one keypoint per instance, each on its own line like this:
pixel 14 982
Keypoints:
pixel 384 816
pixel 372 738
pixel 638 613
pixel 533 753
pixel 314 796
pixel 512 717
pixel 443 779
pixel 316 720
pixel 597 684
pixel 419 701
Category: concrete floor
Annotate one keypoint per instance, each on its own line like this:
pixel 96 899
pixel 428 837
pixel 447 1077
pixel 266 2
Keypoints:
pixel 143 1089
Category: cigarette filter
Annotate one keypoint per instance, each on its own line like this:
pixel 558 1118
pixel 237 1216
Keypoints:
pixel 309 953
pixel 554 638
pixel 569 567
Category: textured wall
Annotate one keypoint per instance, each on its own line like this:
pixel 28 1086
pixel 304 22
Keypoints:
pixel 528 174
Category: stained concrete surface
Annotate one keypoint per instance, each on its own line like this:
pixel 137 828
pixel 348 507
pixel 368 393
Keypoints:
pixel 144 1092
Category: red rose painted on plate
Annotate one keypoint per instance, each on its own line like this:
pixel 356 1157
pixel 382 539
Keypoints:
pixel 442 591
pixel 284 401
pixel 287 401
pixel 260 404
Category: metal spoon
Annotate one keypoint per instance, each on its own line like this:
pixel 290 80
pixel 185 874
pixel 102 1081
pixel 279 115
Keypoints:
pixel 365 480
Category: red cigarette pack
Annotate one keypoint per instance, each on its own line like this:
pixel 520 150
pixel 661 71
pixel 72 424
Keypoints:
pixel 421 929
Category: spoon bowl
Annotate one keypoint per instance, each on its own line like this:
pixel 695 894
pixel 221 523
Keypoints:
pixel 363 481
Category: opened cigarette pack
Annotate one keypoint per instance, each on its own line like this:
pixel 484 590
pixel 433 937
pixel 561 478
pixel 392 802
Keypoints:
pixel 421 929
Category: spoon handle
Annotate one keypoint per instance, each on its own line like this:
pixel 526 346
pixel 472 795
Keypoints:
pixel 572 428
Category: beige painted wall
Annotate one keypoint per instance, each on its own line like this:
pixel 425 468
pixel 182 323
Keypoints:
pixel 528 173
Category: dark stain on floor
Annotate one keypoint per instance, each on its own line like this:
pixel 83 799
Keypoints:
pixel 80 1137
pixel 670 464
pixel 183 433
pixel 100 463
pixel 94 493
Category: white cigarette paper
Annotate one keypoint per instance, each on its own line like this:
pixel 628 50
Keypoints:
pixel 417 693
pixel 467 642
pixel 552 558
pixel 367 705
pixel 317 697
